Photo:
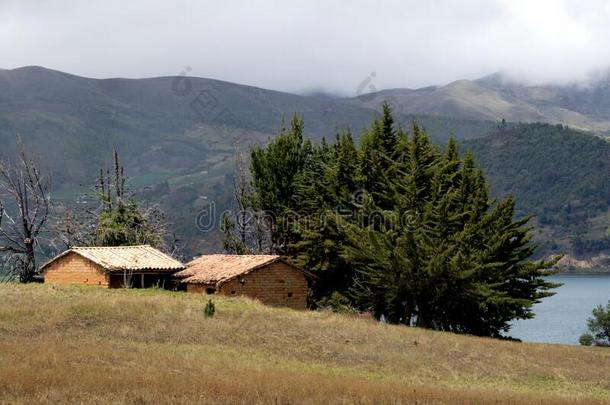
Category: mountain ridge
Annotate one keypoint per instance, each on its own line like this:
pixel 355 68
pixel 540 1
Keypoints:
pixel 585 106
pixel 177 135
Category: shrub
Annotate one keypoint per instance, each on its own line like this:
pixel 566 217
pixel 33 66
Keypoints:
pixel 209 309
pixel 599 326
pixel 586 339
pixel 337 302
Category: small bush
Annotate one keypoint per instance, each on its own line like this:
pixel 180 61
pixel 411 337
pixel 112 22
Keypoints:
pixel 209 309
pixel 337 302
pixel 599 326
pixel 586 339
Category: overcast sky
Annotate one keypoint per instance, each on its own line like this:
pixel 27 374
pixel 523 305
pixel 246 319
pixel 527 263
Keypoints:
pixel 311 44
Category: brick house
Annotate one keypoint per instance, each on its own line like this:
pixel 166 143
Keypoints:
pixel 112 267
pixel 270 279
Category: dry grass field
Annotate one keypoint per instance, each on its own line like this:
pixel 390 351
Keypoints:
pixel 88 345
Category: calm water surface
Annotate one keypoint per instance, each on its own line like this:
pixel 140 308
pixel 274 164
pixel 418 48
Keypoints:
pixel 562 318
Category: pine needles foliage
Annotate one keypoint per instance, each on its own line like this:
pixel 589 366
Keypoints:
pixel 399 227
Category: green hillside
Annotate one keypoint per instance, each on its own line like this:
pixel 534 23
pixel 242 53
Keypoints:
pixel 161 124
pixel 176 137
pixel 560 175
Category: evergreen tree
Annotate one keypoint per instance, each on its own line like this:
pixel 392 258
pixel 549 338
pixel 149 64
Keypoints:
pixel 463 266
pixel 274 170
pixel 399 227
pixel 120 221
pixel 386 134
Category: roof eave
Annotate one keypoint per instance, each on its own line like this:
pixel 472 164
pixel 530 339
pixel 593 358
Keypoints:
pixel 306 273
pixel 165 270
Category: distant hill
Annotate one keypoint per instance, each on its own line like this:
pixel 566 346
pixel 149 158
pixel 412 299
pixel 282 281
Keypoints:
pixel 167 124
pixel 177 135
pixel 581 105
pixel 560 175
pixel 158 124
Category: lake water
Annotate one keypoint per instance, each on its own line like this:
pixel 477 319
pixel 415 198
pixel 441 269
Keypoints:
pixel 562 318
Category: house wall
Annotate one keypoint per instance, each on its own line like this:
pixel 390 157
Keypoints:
pixel 198 288
pixel 74 269
pixel 277 284
pixel 134 280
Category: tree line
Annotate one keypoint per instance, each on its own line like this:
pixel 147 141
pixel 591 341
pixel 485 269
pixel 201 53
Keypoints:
pixel 570 199
pixel 393 225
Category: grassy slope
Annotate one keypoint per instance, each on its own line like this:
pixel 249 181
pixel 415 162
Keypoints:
pixel 74 344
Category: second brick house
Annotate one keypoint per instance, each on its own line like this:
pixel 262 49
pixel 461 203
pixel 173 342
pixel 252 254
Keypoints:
pixel 268 278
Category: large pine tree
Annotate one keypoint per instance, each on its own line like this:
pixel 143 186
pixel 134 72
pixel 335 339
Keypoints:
pixel 399 227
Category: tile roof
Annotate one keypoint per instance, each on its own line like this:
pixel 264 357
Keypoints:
pixel 120 258
pixel 213 269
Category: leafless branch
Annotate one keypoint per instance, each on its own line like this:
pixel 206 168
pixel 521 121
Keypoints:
pixel 23 214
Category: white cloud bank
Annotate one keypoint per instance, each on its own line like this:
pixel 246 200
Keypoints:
pixel 310 44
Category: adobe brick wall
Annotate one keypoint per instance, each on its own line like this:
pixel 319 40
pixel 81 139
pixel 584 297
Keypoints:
pixel 74 269
pixel 198 288
pixel 277 284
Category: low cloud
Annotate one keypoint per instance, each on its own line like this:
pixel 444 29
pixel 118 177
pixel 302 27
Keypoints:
pixel 303 45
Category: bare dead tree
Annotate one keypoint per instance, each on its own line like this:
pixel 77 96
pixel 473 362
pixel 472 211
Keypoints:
pixel 245 228
pixel 176 247
pixel 242 191
pixel 261 233
pixel 157 231
pixel 71 227
pixel 25 210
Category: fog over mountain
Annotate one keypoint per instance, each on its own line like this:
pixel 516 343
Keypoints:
pixel 303 46
pixel 584 104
